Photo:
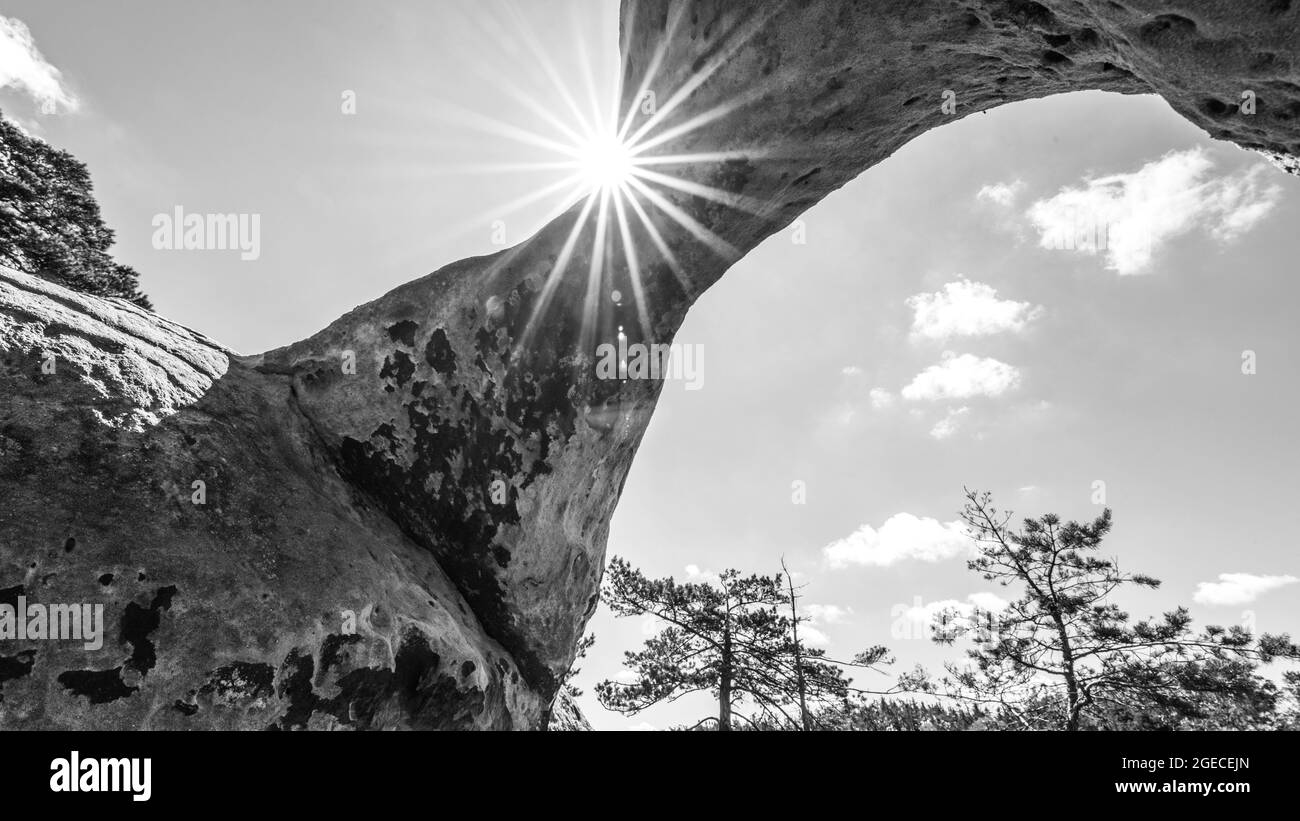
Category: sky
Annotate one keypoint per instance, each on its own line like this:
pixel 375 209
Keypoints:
pixel 1071 302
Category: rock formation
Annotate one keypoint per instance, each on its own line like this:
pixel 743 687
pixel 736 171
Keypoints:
pixel 401 521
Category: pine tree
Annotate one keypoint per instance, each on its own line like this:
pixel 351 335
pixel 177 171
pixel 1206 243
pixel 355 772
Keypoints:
pixel 50 224
pixel 1064 656
pixel 567 679
pixel 730 639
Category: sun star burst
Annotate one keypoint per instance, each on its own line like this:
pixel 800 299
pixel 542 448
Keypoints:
pixel 609 168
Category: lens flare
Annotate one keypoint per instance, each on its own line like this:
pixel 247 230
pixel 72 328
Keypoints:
pixel 605 162
pixel 616 160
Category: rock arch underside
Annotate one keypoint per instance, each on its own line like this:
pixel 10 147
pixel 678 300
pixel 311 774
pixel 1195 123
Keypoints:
pixel 371 493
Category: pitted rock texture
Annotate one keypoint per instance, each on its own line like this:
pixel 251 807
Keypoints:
pixel 443 462
pixel 284 601
pixel 566 716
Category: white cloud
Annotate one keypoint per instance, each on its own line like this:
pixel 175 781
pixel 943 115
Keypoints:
pixel 880 398
pixel 1001 193
pixel 826 613
pixel 927 613
pixel 902 537
pixel 1238 588
pixel 651 626
pixel 854 395
pixel 1243 203
pixel 697 576
pixel 961 377
pixel 965 308
pixel 808 634
pixel 22 67
pixel 988 601
pixel 817 616
pixel 642 727
pixel 1129 216
pixel 956 615
pixel 948 425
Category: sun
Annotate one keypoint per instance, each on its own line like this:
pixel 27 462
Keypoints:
pixel 605 162
pixel 621 169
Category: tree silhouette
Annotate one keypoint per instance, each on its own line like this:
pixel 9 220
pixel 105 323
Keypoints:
pixel 50 224
pixel 1064 656
pixel 729 639
pixel 567 679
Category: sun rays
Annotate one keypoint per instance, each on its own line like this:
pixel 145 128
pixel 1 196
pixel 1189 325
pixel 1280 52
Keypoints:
pixel 610 164
pixel 605 162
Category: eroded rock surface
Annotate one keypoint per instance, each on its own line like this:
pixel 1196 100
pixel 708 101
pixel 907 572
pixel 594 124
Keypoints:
pixel 285 600
pixel 566 715
pixel 453 490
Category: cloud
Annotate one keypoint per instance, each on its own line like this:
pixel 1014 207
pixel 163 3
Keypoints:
pixel 22 67
pixel 1238 588
pixel 1000 193
pixel 902 537
pixel 988 601
pixel 954 615
pixel 697 576
pixel 652 626
pixel 1127 217
pixel 808 634
pixel 961 377
pixel 818 616
pixel 965 308
pixel 927 613
pixel 1244 203
pixel 948 425
pixel 880 398
pixel 854 395
pixel 826 613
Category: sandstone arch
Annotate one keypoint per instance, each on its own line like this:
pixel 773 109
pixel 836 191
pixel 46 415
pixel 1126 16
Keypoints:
pixel 331 493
